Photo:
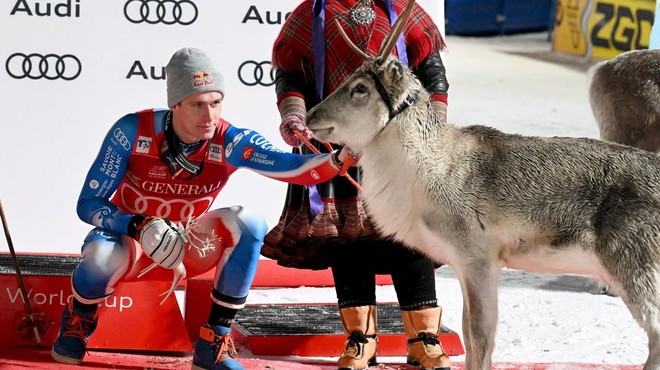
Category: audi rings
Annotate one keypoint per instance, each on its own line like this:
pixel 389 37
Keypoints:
pixel 252 73
pixel 121 138
pixel 168 12
pixel 50 66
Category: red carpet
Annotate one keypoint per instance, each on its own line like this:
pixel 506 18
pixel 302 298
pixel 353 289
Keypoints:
pixel 20 358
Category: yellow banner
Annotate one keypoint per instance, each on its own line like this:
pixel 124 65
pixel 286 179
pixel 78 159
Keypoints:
pixel 568 33
pixel 616 26
pixel 602 29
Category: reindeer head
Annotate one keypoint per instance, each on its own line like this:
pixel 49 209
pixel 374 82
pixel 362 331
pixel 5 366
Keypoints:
pixel 370 98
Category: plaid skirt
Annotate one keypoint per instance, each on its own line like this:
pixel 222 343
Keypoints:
pixel 306 241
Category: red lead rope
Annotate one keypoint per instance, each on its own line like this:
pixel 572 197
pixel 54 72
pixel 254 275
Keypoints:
pixel 344 168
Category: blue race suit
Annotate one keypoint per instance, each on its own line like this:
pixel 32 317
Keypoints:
pixel 133 174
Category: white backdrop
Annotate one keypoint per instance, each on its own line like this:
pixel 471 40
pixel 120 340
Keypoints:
pixel 53 119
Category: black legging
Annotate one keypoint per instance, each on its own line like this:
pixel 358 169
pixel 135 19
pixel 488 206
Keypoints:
pixel 356 264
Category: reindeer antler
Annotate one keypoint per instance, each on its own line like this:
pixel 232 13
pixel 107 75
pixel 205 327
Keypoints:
pixel 390 40
pixel 349 42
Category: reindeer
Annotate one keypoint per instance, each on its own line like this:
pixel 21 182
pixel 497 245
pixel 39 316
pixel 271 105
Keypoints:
pixel 479 199
pixel 624 93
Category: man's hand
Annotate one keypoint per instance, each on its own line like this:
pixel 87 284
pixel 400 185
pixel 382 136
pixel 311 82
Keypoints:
pixel 291 122
pixel 161 240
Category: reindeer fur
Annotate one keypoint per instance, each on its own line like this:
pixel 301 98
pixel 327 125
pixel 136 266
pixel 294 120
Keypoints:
pixel 625 98
pixel 479 199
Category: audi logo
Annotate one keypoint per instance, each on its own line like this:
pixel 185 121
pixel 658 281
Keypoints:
pixel 123 140
pixel 252 73
pixel 50 66
pixel 168 12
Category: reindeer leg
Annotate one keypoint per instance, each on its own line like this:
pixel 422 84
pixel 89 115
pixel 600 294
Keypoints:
pixel 645 308
pixel 479 281
pixel 646 311
pixel 638 284
pixel 653 331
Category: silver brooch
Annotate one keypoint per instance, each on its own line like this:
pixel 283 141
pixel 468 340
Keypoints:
pixel 362 14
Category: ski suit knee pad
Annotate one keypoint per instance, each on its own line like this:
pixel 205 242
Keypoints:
pixel 104 261
pixel 239 263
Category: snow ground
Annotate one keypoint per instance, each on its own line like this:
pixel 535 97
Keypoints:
pixel 542 318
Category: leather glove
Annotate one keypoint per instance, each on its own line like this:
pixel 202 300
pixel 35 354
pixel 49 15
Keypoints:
pixel 160 239
pixel 294 121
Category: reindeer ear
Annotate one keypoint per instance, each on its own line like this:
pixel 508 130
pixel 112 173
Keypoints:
pixel 393 71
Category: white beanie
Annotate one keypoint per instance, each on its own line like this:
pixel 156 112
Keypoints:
pixel 189 72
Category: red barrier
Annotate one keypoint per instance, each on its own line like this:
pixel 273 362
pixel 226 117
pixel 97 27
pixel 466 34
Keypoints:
pixel 130 320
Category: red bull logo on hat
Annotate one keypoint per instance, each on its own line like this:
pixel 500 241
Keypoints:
pixel 201 79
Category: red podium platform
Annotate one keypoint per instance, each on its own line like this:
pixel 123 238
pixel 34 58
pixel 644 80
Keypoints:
pixel 134 321
pixel 130 321
pixel 132 318
pixel 269 275
pixel 316 330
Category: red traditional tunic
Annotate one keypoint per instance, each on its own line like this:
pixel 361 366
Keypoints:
pixel 306 240
pixel 292 50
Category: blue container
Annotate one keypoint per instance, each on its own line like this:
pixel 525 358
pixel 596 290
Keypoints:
pixel 491 17
pixel 472 17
